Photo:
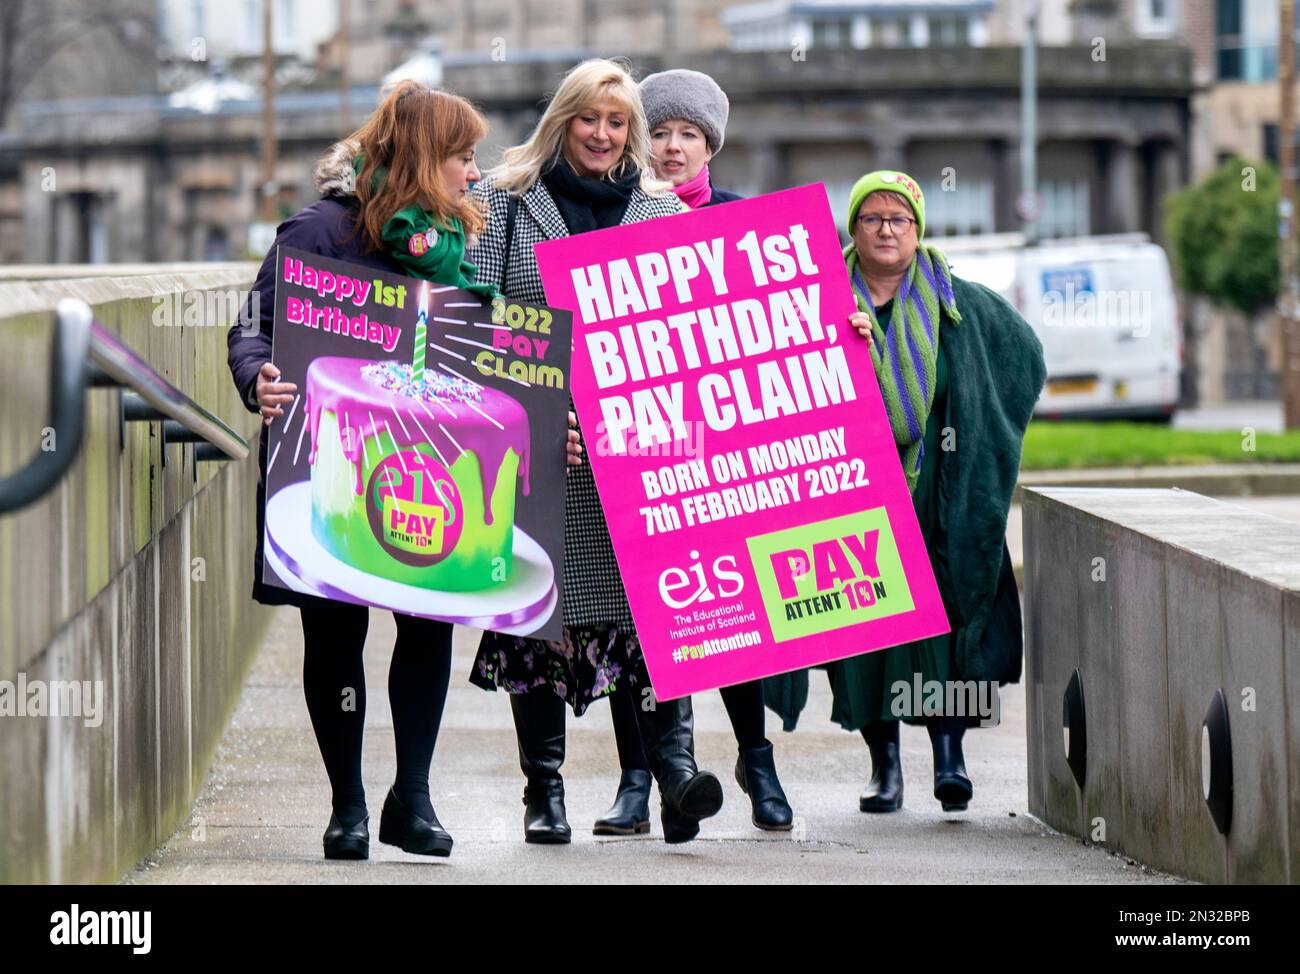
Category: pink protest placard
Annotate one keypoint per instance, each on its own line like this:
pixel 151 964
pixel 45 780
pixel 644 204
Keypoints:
pixel 739 442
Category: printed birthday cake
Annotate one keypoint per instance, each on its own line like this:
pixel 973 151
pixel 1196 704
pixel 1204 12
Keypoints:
pixel 414 481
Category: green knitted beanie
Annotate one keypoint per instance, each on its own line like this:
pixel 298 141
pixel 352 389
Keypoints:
pixel 893 181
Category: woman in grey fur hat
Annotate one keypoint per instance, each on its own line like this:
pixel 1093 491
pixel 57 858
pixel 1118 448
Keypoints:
pixel 687 115
pixel 687 112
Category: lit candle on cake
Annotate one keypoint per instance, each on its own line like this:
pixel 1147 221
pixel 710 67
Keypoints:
pixel 421 336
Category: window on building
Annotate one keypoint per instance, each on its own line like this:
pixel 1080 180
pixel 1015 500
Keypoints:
pixel 949 31
pixel 1246 39
pixel 286 17
pixel 1066 208
pixel 216 244
pixel 839 192
pixel 87 229
pixel 1155 18
pixel 832 32
pixel 891 32
pixel 1271 144
pixel 964 210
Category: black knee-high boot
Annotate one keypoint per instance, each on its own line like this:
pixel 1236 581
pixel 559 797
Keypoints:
pixel 686 793
pixel 630 813
pixel 884 793
pixel 539 726
pixel 952 786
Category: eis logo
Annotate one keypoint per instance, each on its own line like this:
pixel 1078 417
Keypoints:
pixel 414 508
pixel 680 588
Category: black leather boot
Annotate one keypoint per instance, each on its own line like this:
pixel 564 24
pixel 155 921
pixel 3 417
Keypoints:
pixel 399 825
pixel 630 813
pixel 884 793
pixel 952 786
pixel 347 841
pixel 539 726
pixel 756 775
pixel 686 793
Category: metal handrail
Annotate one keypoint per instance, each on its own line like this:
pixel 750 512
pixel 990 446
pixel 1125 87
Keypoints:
pixel 83 355
pixel 68 375
pixel 128 369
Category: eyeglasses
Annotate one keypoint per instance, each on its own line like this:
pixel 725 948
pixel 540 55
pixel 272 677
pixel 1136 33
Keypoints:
pixel 898 224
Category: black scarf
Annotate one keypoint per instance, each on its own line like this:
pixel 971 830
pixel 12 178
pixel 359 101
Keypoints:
pixel 586 203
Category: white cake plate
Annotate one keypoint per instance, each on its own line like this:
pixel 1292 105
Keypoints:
pixel 518 606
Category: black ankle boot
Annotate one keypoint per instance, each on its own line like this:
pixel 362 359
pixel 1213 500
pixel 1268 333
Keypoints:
pixel 347 841
pixel 539 727
pixel 952 786
pixel 630 813
pixel 884 793
pixel 399 825
pixel 756 775
pixel 686 793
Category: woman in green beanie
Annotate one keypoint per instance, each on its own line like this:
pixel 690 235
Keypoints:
pixel 960 371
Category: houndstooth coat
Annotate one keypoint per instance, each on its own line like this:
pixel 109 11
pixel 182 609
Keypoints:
pixel 593 589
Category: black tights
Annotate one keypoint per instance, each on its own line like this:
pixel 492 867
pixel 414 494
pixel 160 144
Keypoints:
pixel 334 681
pixel 886 731
pixel 744 703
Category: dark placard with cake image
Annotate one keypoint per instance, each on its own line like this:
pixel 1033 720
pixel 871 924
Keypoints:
pixel 421 465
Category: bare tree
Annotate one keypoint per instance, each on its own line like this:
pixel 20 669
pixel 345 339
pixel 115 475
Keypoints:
pixel 33 32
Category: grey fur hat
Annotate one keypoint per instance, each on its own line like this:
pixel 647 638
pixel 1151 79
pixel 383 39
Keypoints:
pixel 333 174
pixel 689 95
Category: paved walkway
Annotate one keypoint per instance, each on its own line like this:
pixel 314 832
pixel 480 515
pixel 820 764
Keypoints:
pixel 264 805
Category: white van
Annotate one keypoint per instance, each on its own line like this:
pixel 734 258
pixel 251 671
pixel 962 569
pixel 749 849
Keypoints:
pixel 1104 309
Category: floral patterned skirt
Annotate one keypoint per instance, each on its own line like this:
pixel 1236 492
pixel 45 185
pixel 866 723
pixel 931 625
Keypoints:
pixel 587 663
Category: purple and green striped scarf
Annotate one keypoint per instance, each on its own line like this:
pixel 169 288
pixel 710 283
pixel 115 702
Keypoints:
pixel 905 355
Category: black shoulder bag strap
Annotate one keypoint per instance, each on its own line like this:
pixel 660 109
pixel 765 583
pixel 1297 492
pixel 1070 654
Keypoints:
pixel 511 209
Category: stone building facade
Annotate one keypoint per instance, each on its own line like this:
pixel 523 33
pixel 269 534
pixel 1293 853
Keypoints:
pixel 128 179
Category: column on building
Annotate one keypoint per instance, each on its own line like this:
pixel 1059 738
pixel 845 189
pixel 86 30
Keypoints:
pixel 1006 184
pixel 889 150
pixel 1120 207
pixel 767 161
pixel 1166 177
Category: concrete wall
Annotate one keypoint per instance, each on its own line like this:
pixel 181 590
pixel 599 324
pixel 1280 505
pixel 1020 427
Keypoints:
pixel 131 574
pixel 1197 595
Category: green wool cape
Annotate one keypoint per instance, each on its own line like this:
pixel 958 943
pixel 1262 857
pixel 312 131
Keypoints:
pixel 995 374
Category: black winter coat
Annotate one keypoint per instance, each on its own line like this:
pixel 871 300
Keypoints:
pixel 325 228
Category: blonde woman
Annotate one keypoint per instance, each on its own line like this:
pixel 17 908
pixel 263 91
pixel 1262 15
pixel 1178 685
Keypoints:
pixel 585 167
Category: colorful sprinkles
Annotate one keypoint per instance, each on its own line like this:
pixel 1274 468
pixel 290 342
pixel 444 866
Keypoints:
pixel 396 378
